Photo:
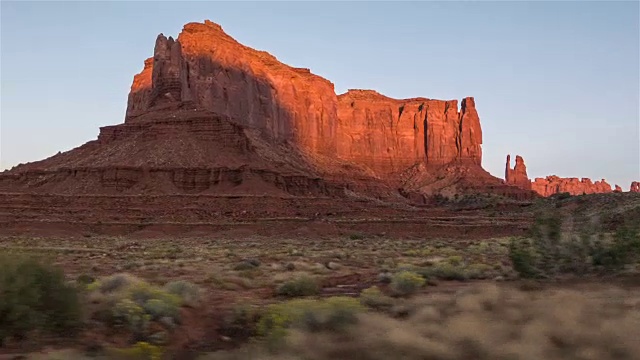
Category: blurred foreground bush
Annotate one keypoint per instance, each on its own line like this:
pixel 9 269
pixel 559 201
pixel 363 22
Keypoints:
pixel 552 251
pixel 331 314
pixel 481 323
pixel 35 296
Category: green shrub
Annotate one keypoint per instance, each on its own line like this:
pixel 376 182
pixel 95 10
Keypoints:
pixel 478 271
pixel 548 252
pixel 523 257
pixel 134 303
pixel 129 313
pixel 243 316
pixel 622 250
pixel 188 292
pixel 374 298
pixel 406 283
pixel 455 260
pixel 562 196
pixel 246 265
pixel 143 292
pixel 35 296
pixel 334 314
pixel 114 283
pixel 84 280
pixel 140 351
pixel 443 271
pixel 301 286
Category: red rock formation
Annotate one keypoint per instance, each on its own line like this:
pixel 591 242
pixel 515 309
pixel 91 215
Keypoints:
pixel 617 189
pixel 574 186
pixel 390 135
pixel 552 184
pixel 208 113
pixel 208 69
pixel 518 175
pixel 138 97
pixel 635 187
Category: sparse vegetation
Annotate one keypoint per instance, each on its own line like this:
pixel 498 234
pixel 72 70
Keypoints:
pixel 140 351
pixel 406 283
pixel 133 303
pixel 484 323
pixel 375 299
pixel 188 292
pixel 301 286
pixel 331 314
pixel 221 283
pixel 550 252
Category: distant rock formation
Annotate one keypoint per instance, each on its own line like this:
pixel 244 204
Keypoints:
pixel 635 187
pixel 552 184
pixel 518 175
pixel 617 189
pixel 574 186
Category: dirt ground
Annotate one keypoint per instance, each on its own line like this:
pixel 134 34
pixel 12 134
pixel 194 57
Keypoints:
pixel 241 262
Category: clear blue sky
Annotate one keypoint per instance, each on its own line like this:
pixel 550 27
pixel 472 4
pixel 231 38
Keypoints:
pixel 556 82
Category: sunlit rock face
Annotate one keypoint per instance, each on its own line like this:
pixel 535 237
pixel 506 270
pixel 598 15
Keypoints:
pixel 204 68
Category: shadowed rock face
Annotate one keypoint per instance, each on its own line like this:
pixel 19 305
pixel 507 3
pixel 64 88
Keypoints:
pixel 635 187
pixel 208 115
pixel 207 69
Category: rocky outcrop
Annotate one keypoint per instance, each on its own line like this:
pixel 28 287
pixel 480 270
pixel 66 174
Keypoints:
pixel 207 69
pixel 617 189
pixel 635 187
pixel 390 135
pixel 207 114
pixel 574 186
pixel 518 175
pixel 140 94
pixel 552 184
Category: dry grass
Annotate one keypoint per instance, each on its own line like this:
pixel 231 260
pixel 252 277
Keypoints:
pixel 491 323
pixel 481 323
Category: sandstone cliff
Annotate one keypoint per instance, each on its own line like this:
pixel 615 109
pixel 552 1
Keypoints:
pixel 208 114
pixel 207 69
pixel 635 187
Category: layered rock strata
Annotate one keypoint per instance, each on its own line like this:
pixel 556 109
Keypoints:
pixel 208 114
pixel 207 69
